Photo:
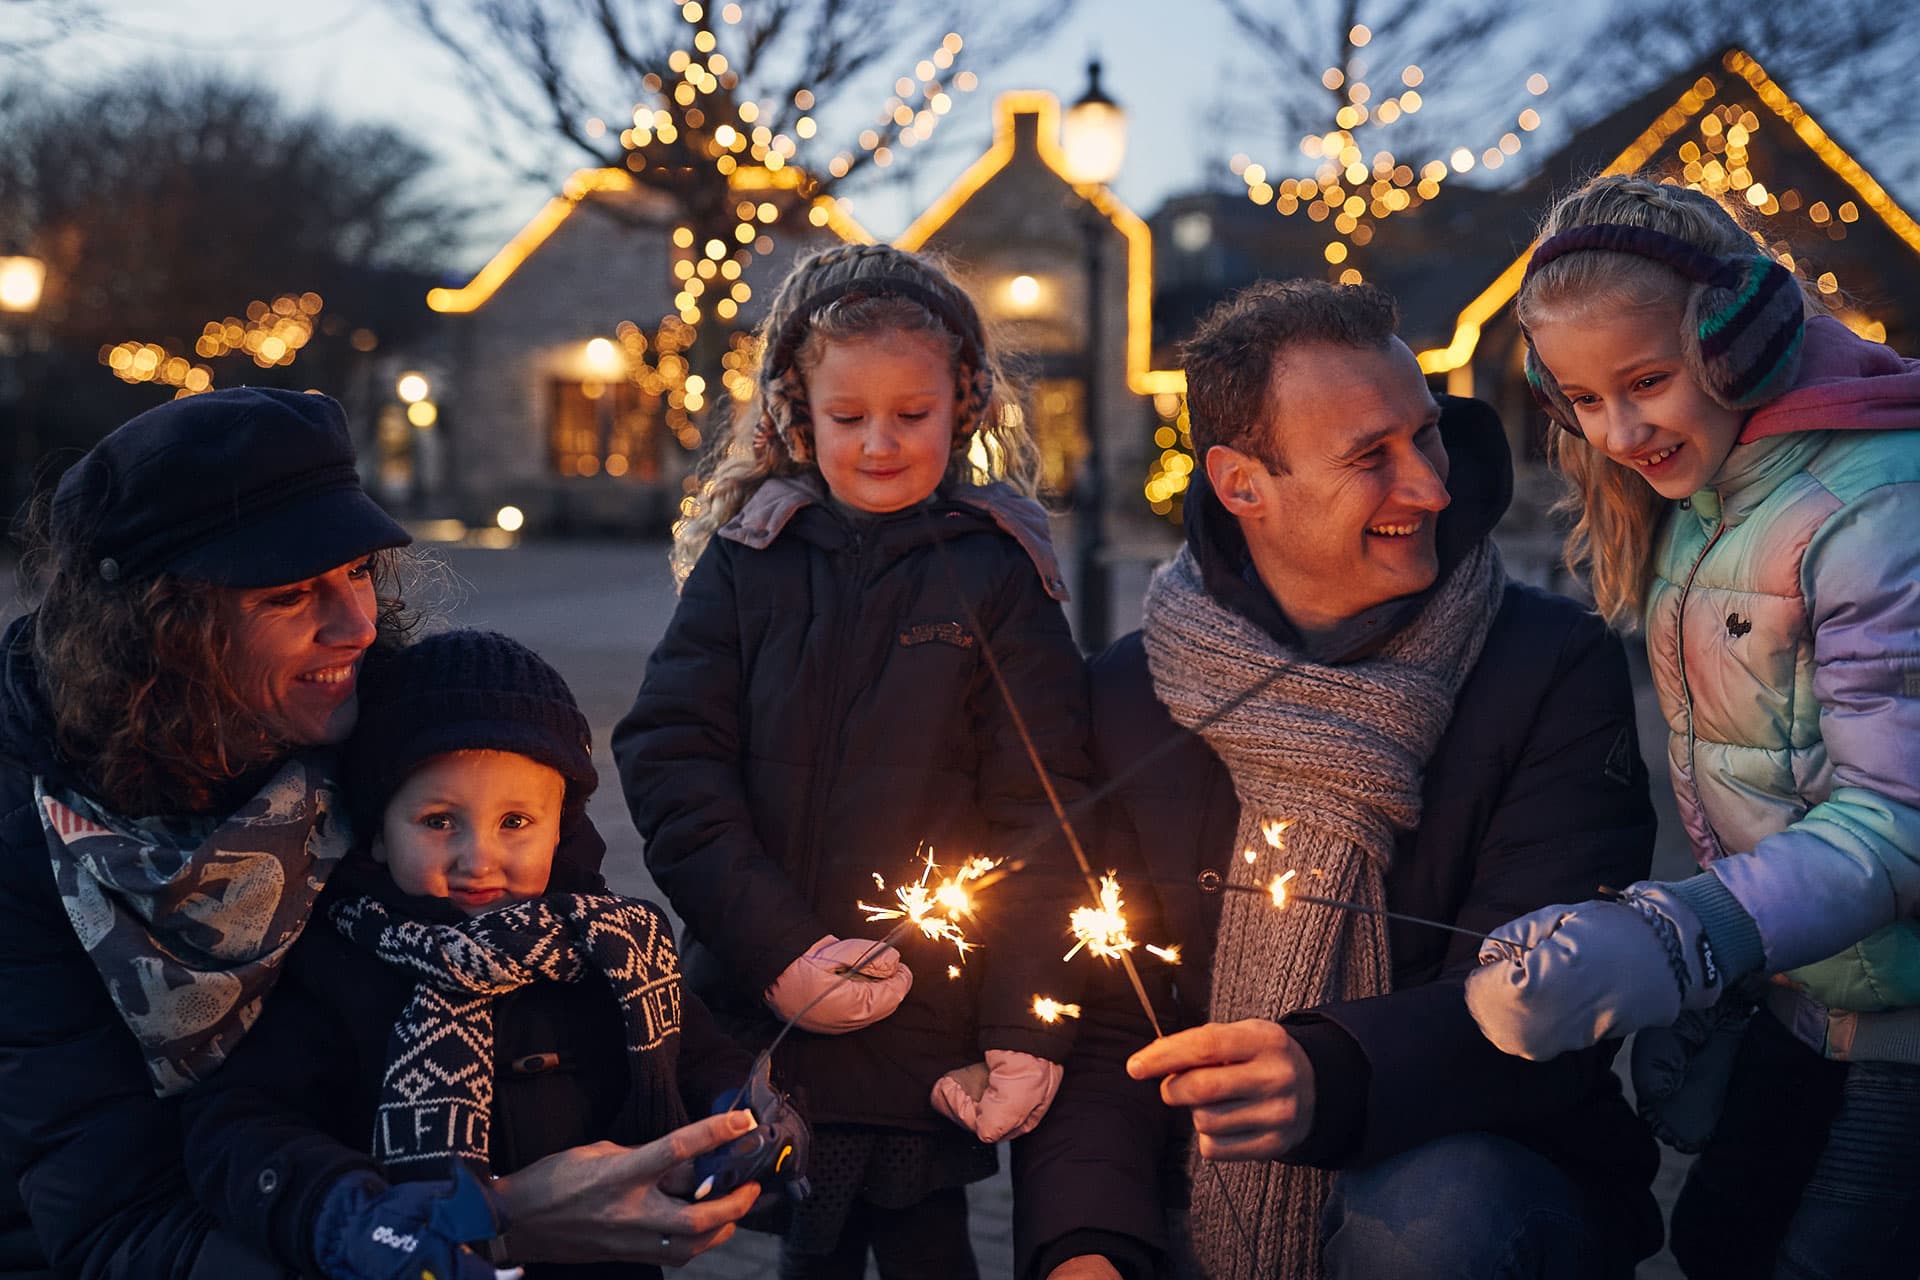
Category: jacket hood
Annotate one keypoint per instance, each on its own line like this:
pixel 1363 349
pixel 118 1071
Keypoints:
pixel 1846 383
pixel 26 721
pixel 777 501
pixel 1479 479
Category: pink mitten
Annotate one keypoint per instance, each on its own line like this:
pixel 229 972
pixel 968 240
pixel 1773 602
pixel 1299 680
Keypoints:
pixel 1019 1089
pixel 860 1000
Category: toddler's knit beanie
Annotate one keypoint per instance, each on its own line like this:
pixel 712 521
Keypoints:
pixel 461 691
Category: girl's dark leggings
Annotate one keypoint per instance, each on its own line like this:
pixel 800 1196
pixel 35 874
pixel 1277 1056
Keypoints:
pixel 927 1241
pixel 1812 1174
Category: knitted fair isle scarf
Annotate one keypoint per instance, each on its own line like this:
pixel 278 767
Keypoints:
pixel 436 1098
pixel 1338 751
pixel 188 920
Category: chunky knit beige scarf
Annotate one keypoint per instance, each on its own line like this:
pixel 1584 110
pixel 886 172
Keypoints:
pixel 1337 752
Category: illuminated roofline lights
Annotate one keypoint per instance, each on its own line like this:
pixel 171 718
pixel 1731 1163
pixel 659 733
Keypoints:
pixel 1141 379
pixel 584 182
pixel 1458 354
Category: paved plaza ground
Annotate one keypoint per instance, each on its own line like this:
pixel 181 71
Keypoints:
pixel 596 609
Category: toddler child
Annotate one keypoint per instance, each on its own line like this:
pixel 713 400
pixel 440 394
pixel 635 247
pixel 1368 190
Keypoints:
pixel 468 994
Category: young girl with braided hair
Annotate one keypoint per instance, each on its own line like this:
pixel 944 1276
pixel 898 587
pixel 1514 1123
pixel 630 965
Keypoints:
pixel 822 705
pixel 1746 482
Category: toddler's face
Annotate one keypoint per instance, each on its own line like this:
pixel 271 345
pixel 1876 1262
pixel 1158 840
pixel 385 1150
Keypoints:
pixel 478 828
pixel 882 419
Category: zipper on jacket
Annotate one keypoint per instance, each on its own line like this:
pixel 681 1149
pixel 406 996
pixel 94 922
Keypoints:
pixel 1686 690
pixel 830 746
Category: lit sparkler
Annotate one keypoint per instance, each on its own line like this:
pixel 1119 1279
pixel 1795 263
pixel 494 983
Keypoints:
pixel 1047 1009
pixel 1275 831
pixel 1170 953
pixel 937 907
pixel 1102 930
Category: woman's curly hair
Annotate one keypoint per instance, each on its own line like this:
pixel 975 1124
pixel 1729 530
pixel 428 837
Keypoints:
pixel 136 677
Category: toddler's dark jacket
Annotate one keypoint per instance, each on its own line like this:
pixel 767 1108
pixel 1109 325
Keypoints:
pixel 817 709
pixel 294 1108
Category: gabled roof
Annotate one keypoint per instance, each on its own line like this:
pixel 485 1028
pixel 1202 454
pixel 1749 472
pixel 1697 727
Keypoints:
pixel 583 184
pixel 1141 378
pixel 1643 130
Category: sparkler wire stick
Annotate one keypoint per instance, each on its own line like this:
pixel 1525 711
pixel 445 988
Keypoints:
pixel 1066 826
pixel 1363 908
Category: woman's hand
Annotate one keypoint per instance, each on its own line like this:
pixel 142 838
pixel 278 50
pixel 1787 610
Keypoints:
pixel 834 1002
pixel 604 1202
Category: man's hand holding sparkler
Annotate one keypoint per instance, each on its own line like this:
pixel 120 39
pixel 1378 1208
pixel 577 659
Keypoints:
pixel 815 986
pixel 1249 1084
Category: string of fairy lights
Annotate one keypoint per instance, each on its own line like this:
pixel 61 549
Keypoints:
pixel 1717 157
pixel 271 335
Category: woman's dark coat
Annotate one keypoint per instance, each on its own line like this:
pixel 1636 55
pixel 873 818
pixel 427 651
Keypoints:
pixel 818 708
pixel 1535 794
pixel 94 1155
pixel 294 1107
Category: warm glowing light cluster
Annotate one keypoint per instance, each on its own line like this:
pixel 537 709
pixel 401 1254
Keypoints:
pixel 1171 471
pixel 272 334
pixel 917 104
pixel 1047 1009
pixel 1355 191
pixel 937 907
pixel 1277 890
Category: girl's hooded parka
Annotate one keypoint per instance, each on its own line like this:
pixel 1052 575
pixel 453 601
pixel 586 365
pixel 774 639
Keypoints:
pixel 818 710
pixel 1783 626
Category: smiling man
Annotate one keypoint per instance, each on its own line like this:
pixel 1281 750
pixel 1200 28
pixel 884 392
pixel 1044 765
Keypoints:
pixel 1338 649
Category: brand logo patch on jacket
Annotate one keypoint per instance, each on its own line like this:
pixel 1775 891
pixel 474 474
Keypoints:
pixel 937 633
pixel 1738 626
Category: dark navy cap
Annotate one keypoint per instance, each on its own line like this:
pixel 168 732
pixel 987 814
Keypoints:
pixel 244 487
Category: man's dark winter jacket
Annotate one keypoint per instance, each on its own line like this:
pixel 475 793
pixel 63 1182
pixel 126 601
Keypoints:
pixel 818 708
pixel 1536 794
pixel 293 1108
pixel 95 1156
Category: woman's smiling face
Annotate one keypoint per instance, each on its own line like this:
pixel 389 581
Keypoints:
pixel 296 649
pixel 1624 373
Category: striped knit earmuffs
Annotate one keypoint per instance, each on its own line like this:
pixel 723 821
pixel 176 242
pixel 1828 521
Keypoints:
pixel 1740 332
pixel 853 272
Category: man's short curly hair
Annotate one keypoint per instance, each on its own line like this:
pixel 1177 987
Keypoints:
pixel 1234 359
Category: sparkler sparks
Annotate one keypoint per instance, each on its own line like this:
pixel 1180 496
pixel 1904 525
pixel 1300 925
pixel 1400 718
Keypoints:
pixel 1275 831
pixel 1278 889
pixel 1102 930
pixel 1047 1009
pixel 937 907
pixel 1169 953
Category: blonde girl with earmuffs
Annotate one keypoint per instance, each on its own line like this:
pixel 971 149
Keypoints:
pixel 1746 486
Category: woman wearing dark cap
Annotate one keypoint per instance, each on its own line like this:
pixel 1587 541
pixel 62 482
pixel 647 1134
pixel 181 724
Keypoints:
pixel 210 576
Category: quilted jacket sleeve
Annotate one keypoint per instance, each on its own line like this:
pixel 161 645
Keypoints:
pixel 1851 864
pixel 679 752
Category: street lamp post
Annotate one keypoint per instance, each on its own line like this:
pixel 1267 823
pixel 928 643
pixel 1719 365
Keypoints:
pixel 22 279
pixel 1095 143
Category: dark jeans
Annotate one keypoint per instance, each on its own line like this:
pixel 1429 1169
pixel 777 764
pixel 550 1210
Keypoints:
pixel 1812 1174
pixel 927 1241
pixel 1473 1206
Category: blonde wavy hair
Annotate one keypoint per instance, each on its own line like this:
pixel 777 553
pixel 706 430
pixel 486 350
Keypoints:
pixel 850 293
pixel 1616 515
